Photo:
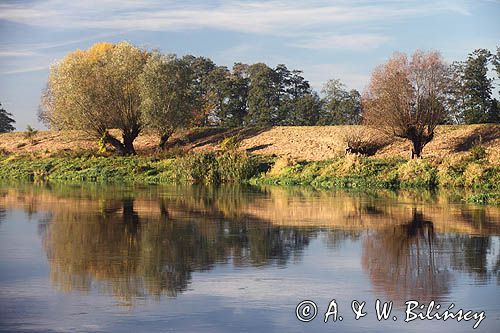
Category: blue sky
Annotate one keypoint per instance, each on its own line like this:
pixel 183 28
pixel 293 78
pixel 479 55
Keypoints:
pixel 326 39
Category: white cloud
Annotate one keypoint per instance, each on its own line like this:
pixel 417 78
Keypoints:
pixel 13 53
pixel 276 17
pixel 34 57
pixel 26 69
pixel 351 42
pixel 318 74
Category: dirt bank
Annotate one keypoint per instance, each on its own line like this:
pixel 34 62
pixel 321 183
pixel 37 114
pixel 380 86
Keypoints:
pixel 298 142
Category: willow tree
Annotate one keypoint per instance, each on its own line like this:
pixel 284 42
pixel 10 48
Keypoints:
pixel 167 97
pixel 406 98
pixel 96 90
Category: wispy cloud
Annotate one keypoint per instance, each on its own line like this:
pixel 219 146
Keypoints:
pixel 21 53
pixel 350 42
pixel 31 48
pixel 277 17
pixel 25 70
pixel 34 57
pixel 318 74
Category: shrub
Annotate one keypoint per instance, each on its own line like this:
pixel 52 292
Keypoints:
pixel 30 134
pixel 358 141
pixel 211 167
pixel 231 143
pixel 473 175
pixel 235 166
pixel 451 172
pixel 417 173
pixel 477 151
pixel 280 165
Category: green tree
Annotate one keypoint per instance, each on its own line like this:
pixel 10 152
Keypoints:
pixel 340 107
pixel 456 97
pixel 96 90
pixel 219 93
pixel 303 110
pixel 166 93
pixel 201 68
pixel 227 95
pixel 263 97
pixel 478 104
pixel 238 99
pixel 297 104
pixel 496 61
pixel 5 120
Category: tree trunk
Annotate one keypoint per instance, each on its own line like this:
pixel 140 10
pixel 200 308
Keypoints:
pixel 163 140
pixel 128 143
pixel 120 148
pixel 419 142
pixel 416 151
pixel 123 148
pixel 128 140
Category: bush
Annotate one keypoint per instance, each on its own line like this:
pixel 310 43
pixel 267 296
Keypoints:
pixel 235 167
pixel 199 168
pixel 358 141
pixel 473 175
pixel 417 173
pixel 30 134
pixel 477 151
pixel 211 167
pixel 231 143
pixel 451 172
pixel 280 165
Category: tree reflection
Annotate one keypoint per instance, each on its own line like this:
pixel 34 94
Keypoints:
pixel 476 256
pixel 3 213
pixel 149 241
pixel 130 256
pixel 407 262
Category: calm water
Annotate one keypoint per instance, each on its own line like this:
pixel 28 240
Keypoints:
pixel 240 259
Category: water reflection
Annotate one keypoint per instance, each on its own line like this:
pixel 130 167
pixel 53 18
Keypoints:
pixel 144 242
pixel 3 213
pixel 476 256
pixel 137 256
pixel 407 261
pixel 3 210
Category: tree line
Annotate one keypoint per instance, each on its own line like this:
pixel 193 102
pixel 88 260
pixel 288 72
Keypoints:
pixel 128 88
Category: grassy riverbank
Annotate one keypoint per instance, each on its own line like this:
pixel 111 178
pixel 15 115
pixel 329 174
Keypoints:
pixel 206 167
pixel 476 174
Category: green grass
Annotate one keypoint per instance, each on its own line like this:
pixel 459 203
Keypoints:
pixel 474 174
pixel 206 167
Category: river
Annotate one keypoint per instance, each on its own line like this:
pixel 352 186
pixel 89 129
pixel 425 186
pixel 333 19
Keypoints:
pixel 241 259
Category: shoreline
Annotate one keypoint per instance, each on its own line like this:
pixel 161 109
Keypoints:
pixel 477 179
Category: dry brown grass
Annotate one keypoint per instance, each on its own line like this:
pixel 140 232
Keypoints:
pixel 312 143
